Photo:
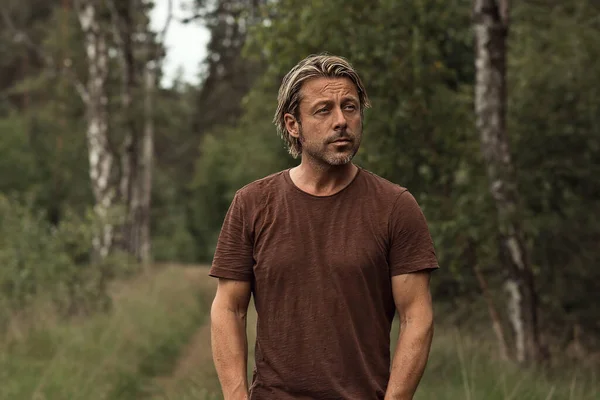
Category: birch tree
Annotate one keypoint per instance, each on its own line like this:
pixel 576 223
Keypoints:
pixel 134 156
pixel 102 166
pixel 491 26
pixel 137 152
pixel 93 93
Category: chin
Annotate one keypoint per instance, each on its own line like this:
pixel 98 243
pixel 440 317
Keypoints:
pixel 343 160
pixel 332 158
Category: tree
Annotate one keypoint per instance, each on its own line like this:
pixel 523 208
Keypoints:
pixel 103 164
pixel 119 139
pixel 139 73
pixel 491 20
pixel 228 74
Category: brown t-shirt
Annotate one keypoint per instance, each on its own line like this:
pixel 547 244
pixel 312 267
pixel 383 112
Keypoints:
pixel 321 271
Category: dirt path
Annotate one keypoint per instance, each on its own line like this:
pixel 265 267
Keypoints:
pixel 194 370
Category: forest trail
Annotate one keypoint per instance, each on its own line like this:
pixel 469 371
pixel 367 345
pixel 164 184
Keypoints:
pixel 194 367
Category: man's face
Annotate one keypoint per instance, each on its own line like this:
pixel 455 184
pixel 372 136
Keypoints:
pixel 330 127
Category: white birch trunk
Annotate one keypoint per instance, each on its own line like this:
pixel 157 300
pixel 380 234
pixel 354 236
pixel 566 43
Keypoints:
pixel 491 31
pixel 101 159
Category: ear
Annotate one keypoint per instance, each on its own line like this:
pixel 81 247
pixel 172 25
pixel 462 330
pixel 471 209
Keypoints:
pixel 292 126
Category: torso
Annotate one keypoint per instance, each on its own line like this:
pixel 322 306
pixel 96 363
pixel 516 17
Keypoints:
pixel 322 288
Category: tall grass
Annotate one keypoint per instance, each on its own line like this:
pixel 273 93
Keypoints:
pixel 462 366
pixel 158 320
pixel 106 356
pixel 465 366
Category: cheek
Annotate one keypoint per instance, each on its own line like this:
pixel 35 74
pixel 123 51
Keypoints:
pixel 355 123
pixel 316 129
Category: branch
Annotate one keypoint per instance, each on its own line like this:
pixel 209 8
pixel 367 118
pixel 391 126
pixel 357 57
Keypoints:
pixel 160 38
pixel 116 25
pixel 121 32
pixel 65 66
pixel 195 17
pixel 165 29
pixel 201 10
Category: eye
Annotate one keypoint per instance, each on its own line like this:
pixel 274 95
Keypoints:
pixel 322 110
pixel 350 107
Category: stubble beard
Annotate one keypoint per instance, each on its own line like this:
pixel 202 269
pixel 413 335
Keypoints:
pixel 321 153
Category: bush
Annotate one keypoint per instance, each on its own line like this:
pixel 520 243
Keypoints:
pixel 50 263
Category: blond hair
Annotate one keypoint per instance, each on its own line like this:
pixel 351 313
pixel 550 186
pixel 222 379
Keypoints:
pixel 314 66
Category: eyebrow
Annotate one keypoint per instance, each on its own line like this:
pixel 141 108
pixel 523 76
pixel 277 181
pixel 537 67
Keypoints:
pixel 345 99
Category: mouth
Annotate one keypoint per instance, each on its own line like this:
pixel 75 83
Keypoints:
pixel 342 141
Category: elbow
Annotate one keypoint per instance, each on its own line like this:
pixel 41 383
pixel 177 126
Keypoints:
pixel 220 310
pixel 421 324
pixel 423 327
pixel 230 304
pixel 428 329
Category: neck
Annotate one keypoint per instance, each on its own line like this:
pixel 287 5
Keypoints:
pixel 322 179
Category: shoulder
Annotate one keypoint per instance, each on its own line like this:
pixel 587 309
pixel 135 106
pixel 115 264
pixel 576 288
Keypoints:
pixel 393 199
pixel 255 192
pixel 382 187
pixel 270 182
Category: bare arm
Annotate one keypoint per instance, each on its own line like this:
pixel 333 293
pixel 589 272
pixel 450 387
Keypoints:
pixel 228 336
pixel 413 302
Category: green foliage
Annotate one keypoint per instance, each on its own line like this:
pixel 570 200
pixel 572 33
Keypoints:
pixel 16 150
pixel 30 255
pixel 106 356
pixel 554 109
pixel 231 158
pixel 416 60
pixel 462 365
pixel 51 263
pixel 417 63
pixel 176 151
pixel 172 238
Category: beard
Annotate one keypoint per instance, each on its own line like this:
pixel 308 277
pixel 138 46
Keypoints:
pixel 323 152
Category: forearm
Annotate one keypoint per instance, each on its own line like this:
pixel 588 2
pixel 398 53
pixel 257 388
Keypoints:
pixel 410 358
pixel 230 351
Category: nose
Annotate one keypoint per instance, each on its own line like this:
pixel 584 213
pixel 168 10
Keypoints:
pixel 340 122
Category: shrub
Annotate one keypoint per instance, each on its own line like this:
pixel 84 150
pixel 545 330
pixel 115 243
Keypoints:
pixel 41 261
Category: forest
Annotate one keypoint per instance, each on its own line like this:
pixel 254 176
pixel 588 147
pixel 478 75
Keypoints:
pixel 113 186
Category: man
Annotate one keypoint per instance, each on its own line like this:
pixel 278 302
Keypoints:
pixel 330 251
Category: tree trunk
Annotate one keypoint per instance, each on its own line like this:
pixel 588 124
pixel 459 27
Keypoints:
pixel 124 28
pixel 485 291
pixel 491 31
pixel 143 187
pixel 136 151
pixel 146 164
pixel 101 159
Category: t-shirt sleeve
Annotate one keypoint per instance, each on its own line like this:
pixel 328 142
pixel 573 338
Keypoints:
pixel 411 246
pixel 233 258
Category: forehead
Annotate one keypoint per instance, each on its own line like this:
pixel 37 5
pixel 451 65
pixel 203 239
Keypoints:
pixel 324 88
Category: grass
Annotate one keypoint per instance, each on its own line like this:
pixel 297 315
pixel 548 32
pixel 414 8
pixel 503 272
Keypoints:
pixel 155 346
pixel 461 367
pixel 106 356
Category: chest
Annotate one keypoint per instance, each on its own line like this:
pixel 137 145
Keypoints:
pixel 314 241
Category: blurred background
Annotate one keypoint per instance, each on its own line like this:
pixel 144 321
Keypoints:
pixel 126 126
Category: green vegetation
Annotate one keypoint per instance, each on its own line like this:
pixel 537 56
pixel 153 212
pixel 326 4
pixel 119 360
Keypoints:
pixel 46 263
pixel 78 327
pixel 107 356
pixel 462 365
pixel 131 352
